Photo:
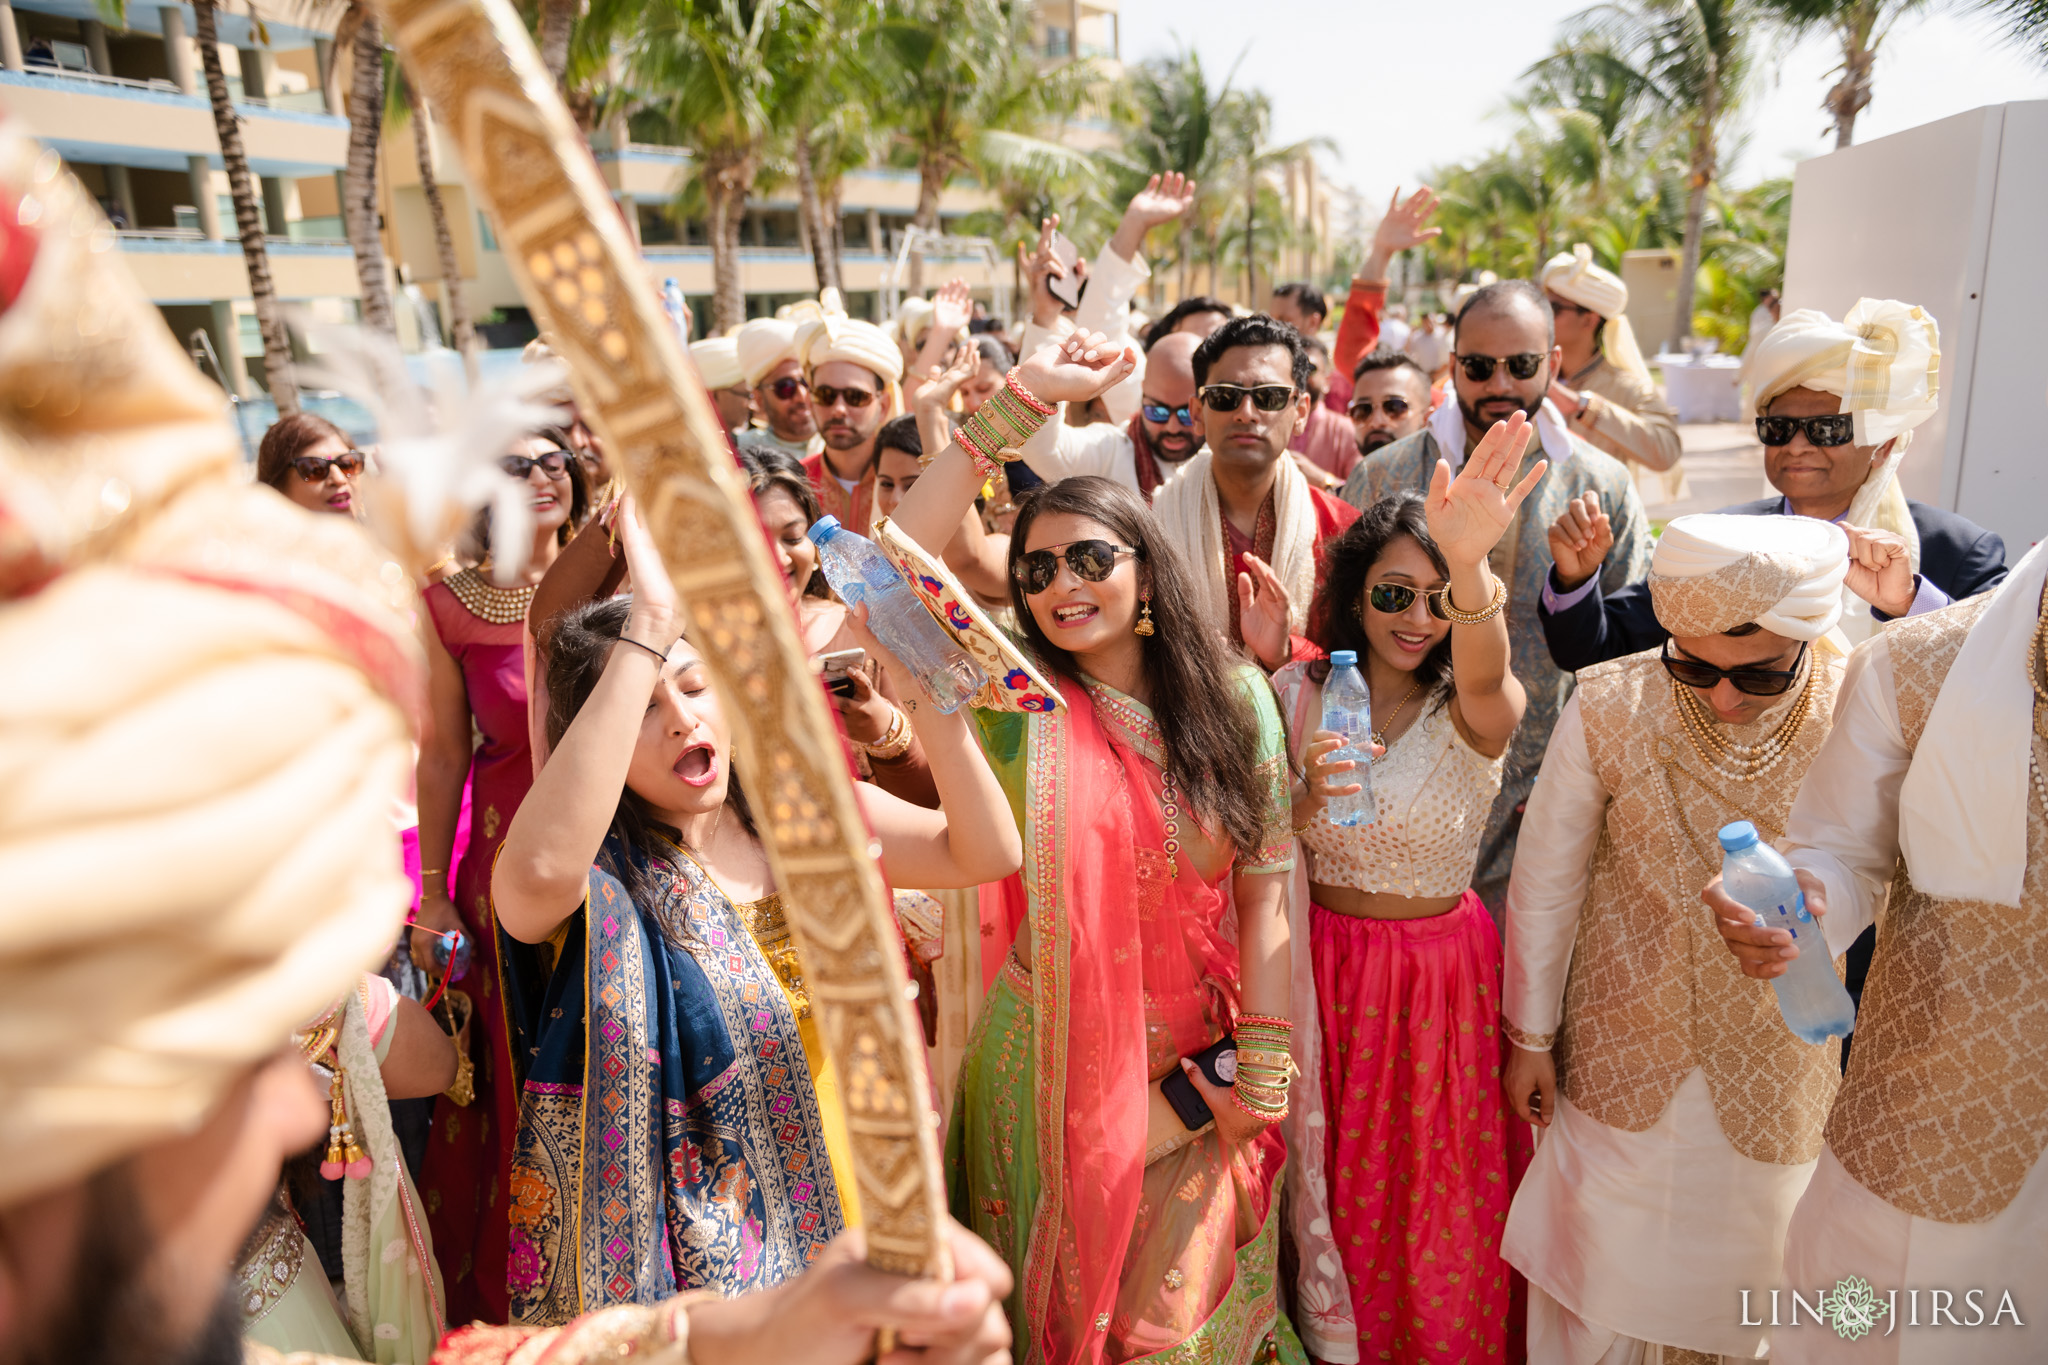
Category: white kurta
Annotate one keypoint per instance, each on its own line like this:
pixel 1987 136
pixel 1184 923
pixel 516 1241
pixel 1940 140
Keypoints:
pixel 1106 308
pixel 1844 829
pixel 1649 1235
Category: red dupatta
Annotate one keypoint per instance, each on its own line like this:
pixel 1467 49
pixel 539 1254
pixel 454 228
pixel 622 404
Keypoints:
pixel 1131 965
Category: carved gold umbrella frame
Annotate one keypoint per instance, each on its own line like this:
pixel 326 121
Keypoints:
pixel 585 283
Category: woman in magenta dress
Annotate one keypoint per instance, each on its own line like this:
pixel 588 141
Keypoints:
pixel 476 739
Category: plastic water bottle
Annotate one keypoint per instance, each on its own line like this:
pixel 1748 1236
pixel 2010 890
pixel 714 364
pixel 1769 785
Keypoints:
pixel 1810 995
pixel 672 303
pixel 1347 710
pixel 859 572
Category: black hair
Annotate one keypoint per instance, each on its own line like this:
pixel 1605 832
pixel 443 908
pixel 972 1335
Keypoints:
pixel 1205 718
pixel 777 471
pixel 899 433
pixel 1260 329
pixel 994 350
pixel 1334 621
pixel 1387 358
pixel 579 499
pixel 1315 343
pixel 1186 308
pixel 1501 297
pixel 579 643
pixel 1306 296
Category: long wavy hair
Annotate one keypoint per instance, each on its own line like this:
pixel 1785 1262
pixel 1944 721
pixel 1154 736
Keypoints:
pixel 579 642
pixel 1207 722
pixel 770 471
pixel 1334 622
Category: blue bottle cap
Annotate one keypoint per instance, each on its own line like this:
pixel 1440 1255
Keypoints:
pixel 1738 836
pixel 823 529
pixel 1343 658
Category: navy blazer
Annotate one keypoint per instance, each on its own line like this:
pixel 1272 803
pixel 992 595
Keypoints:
pixel 1956 555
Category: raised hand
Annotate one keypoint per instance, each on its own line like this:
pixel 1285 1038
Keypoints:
pixel 1469 514
pixel 1402 227
pixel 1076 369
pixel 655 619
pixel 952 309
pixel 1880 569
pixel 1040 269
pixel 1580 539
pixel 1262 611
pixel 946 380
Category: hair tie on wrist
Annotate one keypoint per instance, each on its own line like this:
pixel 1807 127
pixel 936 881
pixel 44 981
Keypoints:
pixel 629 640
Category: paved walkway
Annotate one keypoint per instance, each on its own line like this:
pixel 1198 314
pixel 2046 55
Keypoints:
pixel 1724 464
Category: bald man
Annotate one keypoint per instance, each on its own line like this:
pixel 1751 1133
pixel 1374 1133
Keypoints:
pixel 1147 453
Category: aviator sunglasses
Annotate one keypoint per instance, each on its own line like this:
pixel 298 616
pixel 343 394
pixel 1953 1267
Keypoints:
pixel 1392 599
pixel 1479 368
pixel 824 395
pixel 1159 412
pixel 1827 430
pixel 1756 682
pixel 313 469
pixel 788 387
pixel 1361 408
pixel 1230 397
pixel 553 463
pixel 1091 560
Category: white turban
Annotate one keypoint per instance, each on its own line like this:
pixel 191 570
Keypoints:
pixel 763 344
pixel 1713 571
pixel 718 363
pixel 1576 278
pixel 914 319
pixel 835 336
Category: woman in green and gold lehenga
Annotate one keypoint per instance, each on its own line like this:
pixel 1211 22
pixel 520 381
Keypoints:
pixel 1154 810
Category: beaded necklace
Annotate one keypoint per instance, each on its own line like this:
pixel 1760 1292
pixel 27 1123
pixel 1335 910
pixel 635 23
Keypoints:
pixel 2037 674
pixel 485 599
pixel 1739 762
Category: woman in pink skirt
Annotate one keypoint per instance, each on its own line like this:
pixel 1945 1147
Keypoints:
pixel 1405 960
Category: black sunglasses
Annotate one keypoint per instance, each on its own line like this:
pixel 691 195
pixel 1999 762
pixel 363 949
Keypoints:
pixel 1091 560
pixel 1159 412
pixel 1558 305
pixel 553 463
pixel 788 387
pixel 1361 408
pixel 1479 368
pixel 1395 598
pixel 1756 682
pixel 1827 430
pixel 824 395
pixel 313 469
pixel 1230 397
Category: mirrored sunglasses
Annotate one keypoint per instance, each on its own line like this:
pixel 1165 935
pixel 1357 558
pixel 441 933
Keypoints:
pixel 1827 430
pixel 1361 408
pixel 1480 368
pixel 1160 412
pixel 1394 598
pixel 1230 397
pixel 1091 560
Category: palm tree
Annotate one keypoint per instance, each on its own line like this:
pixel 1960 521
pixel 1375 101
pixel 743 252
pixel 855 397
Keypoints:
pixel 359 34
pixel 1177 130
pixel 1861 26
pixel 277 342
pixel 2026 24
pixel 1692 60
pixel 408 107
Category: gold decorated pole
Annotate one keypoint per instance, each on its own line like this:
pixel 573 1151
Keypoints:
pixel 588 290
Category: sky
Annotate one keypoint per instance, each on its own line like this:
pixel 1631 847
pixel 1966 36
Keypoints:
pixel 1399 87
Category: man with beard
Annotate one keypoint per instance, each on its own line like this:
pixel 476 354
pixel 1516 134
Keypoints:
pixel 1389 399
pixel 1151 450
pixel 1506 354
pixel 768 363
pixel 852 368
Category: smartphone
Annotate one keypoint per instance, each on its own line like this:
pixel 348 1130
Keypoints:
pixel 1067 288
pixel 1219 1063
pixel 837 665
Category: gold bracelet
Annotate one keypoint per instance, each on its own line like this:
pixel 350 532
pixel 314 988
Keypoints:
pixel 894 743
pixel 1455 616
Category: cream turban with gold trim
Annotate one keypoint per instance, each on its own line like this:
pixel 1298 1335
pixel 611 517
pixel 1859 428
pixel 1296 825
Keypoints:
pixel 203 725
pixel 718 363
pixel 1576 277
pixel 763 344
pixel 1713 571
pixel 835 336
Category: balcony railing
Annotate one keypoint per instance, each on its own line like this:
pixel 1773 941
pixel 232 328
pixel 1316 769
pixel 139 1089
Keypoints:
pixel 67 73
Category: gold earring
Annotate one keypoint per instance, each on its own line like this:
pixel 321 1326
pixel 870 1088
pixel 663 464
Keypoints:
pixel 1144 626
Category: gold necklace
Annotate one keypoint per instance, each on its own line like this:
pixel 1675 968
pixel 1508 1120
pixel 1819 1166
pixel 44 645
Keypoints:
pixel 1739 762
pixel 485 599
pixel 1705 850
pixel 1379 736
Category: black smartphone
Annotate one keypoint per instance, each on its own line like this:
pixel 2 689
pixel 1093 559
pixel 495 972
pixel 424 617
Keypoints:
pixel 1180 1091
pixel 837 665
pixel 1067 288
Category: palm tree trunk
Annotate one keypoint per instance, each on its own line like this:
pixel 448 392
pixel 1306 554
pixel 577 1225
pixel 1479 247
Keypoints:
pixel 725 188
pixel 359 179
pixel 1251 256
pixel 277 342
pixel 1695 213
pixel 557 24
pixel 1850 95
pixel 460 331
pixel 835 229
pixel 931 179
pixel 812 211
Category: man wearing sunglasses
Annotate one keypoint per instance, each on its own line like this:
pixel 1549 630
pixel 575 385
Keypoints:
pixel 1828 456
pixel 767 354
pixel 1603 386
pixel 1389 399
pixel 1506 355
pixel 1673 1076
pixel 1152 448
pixel 851 367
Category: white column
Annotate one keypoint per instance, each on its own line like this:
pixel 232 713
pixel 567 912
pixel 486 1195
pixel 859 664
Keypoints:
pixel 256 70
pixel 203 197
pixel 227 342
pixel 122 187
pixel 10 38
pixel 323 59
pixel 96 46
pixel 178 54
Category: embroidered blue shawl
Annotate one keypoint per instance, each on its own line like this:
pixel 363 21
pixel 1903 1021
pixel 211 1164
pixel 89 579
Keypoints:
pixel 669 1137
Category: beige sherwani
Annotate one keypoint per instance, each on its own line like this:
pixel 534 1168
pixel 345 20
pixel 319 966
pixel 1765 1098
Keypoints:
pixel 1627 417
pixel 1689 1116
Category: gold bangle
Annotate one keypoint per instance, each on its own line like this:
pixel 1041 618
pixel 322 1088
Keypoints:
pixel 1456 616
pixel 895 741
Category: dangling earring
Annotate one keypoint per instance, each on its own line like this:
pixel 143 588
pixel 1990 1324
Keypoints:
pixel 1144 626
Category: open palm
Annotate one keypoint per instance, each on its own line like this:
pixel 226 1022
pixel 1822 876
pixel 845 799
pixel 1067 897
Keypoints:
pixel 1402 227
pixel 1076 369
pixel 1469 514
pixel 1164 198
pixel 952 308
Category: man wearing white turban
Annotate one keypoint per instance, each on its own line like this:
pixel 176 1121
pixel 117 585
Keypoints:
pixel 1839 402
pixel 1681 1118
pixel 718 365
pixel 852 368
pixel 1604 389
pixel 767 353
pixel 1929 806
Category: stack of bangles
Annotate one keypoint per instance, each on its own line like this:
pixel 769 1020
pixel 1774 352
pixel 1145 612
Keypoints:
pixel 1265 1067
pixel 895 741
pixel 995 433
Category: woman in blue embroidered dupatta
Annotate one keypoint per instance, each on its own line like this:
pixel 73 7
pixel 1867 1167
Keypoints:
pixel 678 1126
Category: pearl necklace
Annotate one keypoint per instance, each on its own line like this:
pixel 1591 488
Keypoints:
pixel 2037 675
pixel 1739 762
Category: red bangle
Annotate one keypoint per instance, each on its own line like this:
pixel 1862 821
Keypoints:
pixel 1266 1019
pixel 1024 395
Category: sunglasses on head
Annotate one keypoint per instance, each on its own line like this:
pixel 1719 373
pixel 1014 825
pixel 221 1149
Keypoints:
pixel 824 395
pixel 1361 408
pixel 1394 598
pixel 1230 397
pixel 313 469
pixel 788 387
pixel 1827 430
pixel 1091 560
pixel 553 463
pixel 1755 682
pixel 1479 368
pixel 1160 412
